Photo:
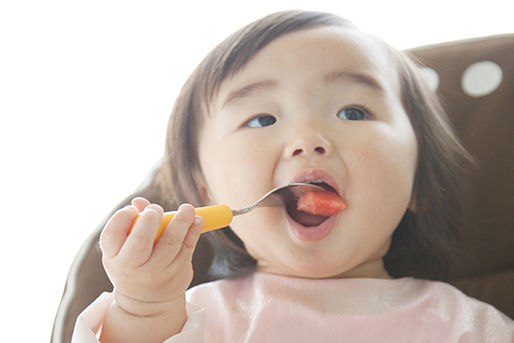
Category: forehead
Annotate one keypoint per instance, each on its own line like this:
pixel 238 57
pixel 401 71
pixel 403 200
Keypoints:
pixel 309 53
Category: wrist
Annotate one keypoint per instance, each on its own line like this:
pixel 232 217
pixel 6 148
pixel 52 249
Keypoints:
pixel 150 309
pixel 143 321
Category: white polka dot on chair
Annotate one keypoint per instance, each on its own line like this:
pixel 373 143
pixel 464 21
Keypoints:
pixel 431 77
pixel 481 78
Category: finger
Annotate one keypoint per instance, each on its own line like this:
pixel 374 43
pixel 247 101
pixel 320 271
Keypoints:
pixel 140 203
pixel 185 254
pixel 172 238
pixel 115 231
pixel 139 243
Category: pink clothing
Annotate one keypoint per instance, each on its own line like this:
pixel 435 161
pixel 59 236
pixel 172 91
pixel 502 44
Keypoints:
pixel 270 308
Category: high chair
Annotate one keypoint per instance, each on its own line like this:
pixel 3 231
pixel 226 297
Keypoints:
pixel 475 79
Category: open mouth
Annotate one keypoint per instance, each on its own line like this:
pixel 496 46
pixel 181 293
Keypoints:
pixel 312 210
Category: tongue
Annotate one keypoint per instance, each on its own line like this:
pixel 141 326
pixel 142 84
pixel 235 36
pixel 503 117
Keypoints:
pixel 306 219
pixel 313 208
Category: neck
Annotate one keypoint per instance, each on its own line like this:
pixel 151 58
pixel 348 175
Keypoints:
pixel 372 269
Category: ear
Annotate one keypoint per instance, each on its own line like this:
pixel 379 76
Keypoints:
pixel 203 189
pixel 205 195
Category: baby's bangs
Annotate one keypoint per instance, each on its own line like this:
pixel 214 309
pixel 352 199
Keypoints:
pixel 234 53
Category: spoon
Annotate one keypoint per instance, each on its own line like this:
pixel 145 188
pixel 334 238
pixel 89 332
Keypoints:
pixel 219 216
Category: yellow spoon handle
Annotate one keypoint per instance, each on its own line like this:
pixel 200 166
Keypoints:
pixel 214 217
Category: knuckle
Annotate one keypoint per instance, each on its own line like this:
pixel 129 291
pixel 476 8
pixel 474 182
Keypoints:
pixel 150 215
pixel 154 208
pixel 124 212
pixel 183 219
pixel 106 245
pixel 189 244
pixel 185 215
pixel 139 236
pixel 138 250
pixel 190 241
pixel 182 274
pixel 173 240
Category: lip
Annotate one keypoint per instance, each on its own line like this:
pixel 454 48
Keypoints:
pixel 314 233
pixel 313 175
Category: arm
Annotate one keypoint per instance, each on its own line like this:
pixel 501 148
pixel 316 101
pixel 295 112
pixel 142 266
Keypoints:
pixel 90 320
pixel 149 280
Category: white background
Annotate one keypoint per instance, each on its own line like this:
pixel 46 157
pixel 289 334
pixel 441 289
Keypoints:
pixel 86 88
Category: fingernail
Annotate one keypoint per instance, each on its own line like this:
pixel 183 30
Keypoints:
pixel 198 220
pixel 184 206
pixel 154 208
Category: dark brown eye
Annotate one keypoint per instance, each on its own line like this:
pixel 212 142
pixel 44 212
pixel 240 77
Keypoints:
pixel 261 121
pixel 353 113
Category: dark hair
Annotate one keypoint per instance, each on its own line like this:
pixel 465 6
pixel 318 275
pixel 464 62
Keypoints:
pixel 424 241
pixel 420 244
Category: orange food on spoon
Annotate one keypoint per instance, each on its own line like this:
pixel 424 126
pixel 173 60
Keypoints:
pixel 324 204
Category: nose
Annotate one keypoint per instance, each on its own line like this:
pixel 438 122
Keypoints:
pixel 308 143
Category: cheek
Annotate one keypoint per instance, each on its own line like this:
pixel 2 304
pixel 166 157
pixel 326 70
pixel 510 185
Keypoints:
pixel 384 165
pixel 237 169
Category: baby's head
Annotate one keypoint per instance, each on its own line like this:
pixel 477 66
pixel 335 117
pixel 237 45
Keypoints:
pixel 300 97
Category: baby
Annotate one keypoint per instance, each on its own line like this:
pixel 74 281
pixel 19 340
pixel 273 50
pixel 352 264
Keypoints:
pixel 296 97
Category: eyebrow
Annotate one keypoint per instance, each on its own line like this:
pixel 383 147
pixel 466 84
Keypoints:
pixel 330 77
pixel 355 77
pixel 249 89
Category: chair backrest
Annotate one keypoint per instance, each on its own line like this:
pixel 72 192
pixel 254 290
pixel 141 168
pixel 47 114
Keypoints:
pixel 475 79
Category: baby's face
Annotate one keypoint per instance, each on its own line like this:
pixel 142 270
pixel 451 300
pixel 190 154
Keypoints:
pixel 319 104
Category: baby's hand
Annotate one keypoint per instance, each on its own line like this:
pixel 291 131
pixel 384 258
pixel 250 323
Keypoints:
pixel 148 279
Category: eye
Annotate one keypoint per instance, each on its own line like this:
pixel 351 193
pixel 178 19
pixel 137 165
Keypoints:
pixel 261 120
pixel 353 113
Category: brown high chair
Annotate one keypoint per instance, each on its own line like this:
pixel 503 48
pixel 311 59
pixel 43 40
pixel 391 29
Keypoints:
pixel 475 79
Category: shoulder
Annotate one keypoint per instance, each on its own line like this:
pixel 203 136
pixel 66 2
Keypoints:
pixel 455 298
pixel 444 310
pixel 471 314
